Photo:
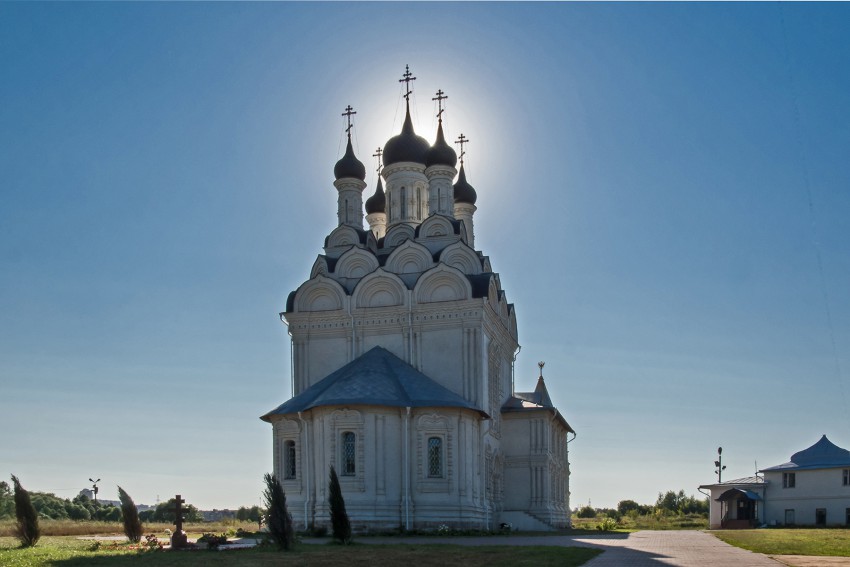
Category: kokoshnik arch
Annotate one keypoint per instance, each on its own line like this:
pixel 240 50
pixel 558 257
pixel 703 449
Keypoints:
pixel 403 345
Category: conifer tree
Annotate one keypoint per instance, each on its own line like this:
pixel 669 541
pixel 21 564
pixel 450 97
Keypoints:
pixel 339 517
pixel 279 520
pixel 130 517
pixel 27 529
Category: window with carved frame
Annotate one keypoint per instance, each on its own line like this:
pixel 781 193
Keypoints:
pixel 435 457
pixel 289 460
pixel 348 454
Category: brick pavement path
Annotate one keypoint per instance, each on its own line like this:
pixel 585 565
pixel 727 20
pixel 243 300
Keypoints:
pixel 680 548
pixel 639 549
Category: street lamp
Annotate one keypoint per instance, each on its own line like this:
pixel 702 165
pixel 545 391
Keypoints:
pixel 719 464
pixel 94 487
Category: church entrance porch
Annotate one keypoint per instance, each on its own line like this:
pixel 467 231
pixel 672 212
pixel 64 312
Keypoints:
pixel 739 509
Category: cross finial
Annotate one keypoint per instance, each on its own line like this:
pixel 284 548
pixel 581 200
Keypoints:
pixel 462 140
pixel 378 153
pixel 441 96
pixel 408 76
pixel 348 113
pixel 541 364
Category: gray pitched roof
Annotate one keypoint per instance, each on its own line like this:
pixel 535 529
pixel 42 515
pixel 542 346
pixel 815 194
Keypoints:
pixel 531 401
pixel 377 378
pixel 747 480
pixel 821 455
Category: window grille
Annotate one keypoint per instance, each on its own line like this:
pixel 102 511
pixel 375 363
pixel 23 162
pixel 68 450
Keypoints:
pixel 348 452
pixel 289 460
pixel 435 457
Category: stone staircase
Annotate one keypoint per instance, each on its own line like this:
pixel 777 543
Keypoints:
pixel 524 521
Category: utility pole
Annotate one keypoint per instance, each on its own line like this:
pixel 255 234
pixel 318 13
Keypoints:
pixel 719 464
pixel 94 488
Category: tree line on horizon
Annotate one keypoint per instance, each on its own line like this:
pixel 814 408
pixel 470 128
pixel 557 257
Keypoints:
pixel 668 504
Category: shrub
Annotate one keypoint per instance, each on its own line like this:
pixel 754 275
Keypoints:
pixel 339 517
pixel 586 512
pixel 26 530
pixel 626 506
pixel 279 519
pixel 78 512
pixel 213 540
pixel 130 517
pixel 607 525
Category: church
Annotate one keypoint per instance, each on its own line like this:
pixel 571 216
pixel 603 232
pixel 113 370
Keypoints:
pixel 403 350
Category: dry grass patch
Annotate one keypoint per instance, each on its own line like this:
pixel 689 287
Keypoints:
pixel 71 552
pixel 782 541
pixel 83 528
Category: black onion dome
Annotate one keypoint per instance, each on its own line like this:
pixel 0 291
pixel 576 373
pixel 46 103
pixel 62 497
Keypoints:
pixel 377 203
pixel 349 166
pixel 407 146
pixel 464 193
pixel 440 153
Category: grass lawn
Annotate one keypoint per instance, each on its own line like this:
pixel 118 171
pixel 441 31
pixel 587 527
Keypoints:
pixel 71 552
pixel 649 522
pixel 776 541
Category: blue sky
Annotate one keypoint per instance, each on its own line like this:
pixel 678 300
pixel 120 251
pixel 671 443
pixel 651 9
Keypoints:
pixel 663 189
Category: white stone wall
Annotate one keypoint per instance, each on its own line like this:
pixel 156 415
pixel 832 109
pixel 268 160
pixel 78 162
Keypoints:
pixel 391 486
pixel 820 488
pixel 536 466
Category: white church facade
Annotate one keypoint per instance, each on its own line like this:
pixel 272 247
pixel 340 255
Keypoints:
pixel 403 349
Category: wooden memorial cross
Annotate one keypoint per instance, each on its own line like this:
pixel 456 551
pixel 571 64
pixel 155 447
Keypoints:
pixel 178 512
pixel 178 538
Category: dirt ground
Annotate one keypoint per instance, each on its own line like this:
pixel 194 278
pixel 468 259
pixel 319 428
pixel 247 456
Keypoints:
pixel 812 561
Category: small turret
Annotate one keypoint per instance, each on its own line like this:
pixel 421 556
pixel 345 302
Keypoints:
pixel 376 205
pixel 350 173
pixel 440 161
pixel 465 197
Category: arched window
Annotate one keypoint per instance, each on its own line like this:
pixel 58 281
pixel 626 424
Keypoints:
pixel 289 469
pixel 403 204
pixel 435 457
pixel 349 445
pixel 418 210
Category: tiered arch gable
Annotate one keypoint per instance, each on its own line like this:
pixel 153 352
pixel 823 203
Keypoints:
pixel 503 306
pixel 409 258
pixel 319 294
pixel 442 283
pixel 398 234
pixel 512 325
pixel 435 226
pixel 355 263
pixel 493 293
pixel 320 267
pixel 462 257
pixel 379 289
pixel 463 232
pixel 372 242
pixel 343 235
